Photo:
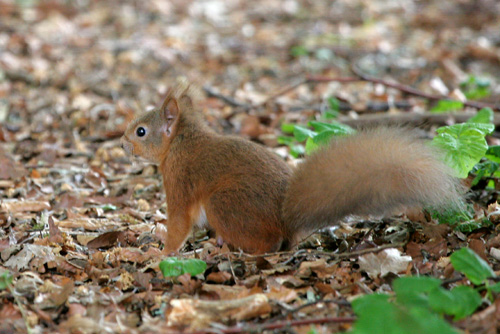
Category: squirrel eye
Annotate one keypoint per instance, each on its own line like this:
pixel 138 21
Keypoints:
pixel 140 132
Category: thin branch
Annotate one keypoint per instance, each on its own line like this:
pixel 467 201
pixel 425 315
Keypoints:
pixel 313 252
pixel 21 308
pixel 227 99
pixel 416 92
pixel 362 77
pixel 413 118
pixel 339 302
pixel 284 91
pixel 348 255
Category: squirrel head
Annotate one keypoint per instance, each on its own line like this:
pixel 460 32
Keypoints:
pixel 149 136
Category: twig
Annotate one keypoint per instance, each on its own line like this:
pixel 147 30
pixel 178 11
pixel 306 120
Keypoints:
pixel 317 253
pixel 227 99
pixel 319 301
pixel 232 270
pixel 416 92
pixel 413 118
pixel 277 325
pixel 363 77
pixel 285 90
pixel 21 308
pixel 348 255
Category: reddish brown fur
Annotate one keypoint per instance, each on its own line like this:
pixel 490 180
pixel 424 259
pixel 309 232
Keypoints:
pixel 249 195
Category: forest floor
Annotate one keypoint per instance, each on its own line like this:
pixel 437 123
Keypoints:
pixel 82 223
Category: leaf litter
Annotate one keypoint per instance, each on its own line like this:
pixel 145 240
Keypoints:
pixel 82 223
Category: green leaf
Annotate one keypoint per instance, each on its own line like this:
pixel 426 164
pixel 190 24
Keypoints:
pixel 470 264
pixel 311 145
pixel 377 315
pixel 173 267
pixel 412 290
pixel 297 150
pixel 6 280
pixel 108 207
pixel 453 216
pixel 484 169
pixel 446 106
pixel 495 287
pixel 468 299
pixel 285 140
pixel 299 51
pixel 301 133
pixel 476 87
pixel 493 153
pixel 287 127
pixel 337 128
pixel 324 137
pixel 334 104
pixel 484 115
pixel 463 145
pixel 415 284
pixel 459 302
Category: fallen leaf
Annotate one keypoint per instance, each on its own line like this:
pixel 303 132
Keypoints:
pixel 384 262
pixel 24 206
pixel 197 314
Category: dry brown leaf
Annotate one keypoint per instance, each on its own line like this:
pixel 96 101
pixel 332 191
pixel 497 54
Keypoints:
pixel 225 292
pixel 106 240
pixel 219 277
pixel 319 267
pixel 387 261
pixel 22 259
pixel 197 314
pixel 24 206
pixel 89 224
pixel 282 294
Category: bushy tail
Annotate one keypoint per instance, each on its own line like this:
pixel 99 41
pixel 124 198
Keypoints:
pixel 372 172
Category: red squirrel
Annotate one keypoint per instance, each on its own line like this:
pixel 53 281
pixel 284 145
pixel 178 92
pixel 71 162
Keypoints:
pixel 256 202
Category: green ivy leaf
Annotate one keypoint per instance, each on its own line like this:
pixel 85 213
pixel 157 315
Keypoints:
pixel 301 133
pixel 413 290
pixel 377 315
pixel 446 106
pixel 299 51
pixel 476 87
pixel 484 115
pixel 463 145
pixel 475 268
pixel 324 137
pixel 459 302
pixel 297 150
pixel 287 127
pixel 6 280
pixel 337 128
pixel 285 140
pixel 311 145
pixel 493 153
pixel 495 287
pixel 173 267
pixel 415 284
pixel 108 207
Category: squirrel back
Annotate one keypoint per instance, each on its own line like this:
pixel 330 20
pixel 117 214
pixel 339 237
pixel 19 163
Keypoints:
pixel 253 199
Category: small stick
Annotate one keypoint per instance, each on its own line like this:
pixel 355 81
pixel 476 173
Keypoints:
pixel 229 100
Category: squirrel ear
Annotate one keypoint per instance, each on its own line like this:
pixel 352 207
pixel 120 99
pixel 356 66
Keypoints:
pixel 170 110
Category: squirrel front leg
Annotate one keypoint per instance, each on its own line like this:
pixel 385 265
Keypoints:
pixel 178 228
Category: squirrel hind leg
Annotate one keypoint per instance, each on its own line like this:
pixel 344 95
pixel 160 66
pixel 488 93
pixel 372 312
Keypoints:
pixel 240 229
